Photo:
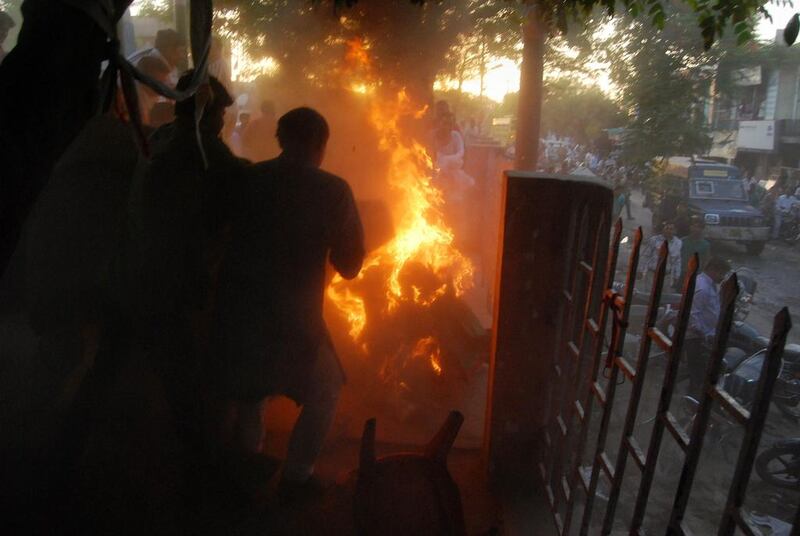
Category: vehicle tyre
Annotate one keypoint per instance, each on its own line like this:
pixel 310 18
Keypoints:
pixel 755 248
pixel 779 465
pixel 790 411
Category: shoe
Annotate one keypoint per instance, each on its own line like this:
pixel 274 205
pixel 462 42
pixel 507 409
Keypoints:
pixel 292 492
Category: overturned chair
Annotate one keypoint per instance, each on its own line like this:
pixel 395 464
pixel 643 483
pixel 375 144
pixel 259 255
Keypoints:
pixel 408 493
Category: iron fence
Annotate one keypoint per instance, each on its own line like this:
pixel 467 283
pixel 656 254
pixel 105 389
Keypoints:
pixel 588 370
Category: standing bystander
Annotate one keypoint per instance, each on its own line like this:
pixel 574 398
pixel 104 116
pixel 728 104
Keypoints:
pixel 650 254
pixel 703 322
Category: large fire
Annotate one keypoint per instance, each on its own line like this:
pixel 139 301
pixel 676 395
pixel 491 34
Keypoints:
pixel 420 264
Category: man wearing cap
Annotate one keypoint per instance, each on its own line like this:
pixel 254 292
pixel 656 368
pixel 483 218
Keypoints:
pixel 169 48
pixel 177 208
pixel 159 63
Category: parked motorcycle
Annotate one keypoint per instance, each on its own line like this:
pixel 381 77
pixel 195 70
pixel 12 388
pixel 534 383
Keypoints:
pixel 779 464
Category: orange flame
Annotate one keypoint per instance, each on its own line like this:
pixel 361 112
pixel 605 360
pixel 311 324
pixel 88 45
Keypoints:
pixel 428 348
pixel 422 235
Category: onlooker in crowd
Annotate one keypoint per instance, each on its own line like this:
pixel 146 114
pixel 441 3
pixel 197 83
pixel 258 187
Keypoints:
pixel 218 66
pixel 6 23
pixel 293 218
pixel 148 98
pixel 169 49
pixel 258 139
pixel 237 136
pixel 767 205
pixel 703 322
pixel 783 205
pixel 178 207
pixel 454 183
pixel 471 130
pixel 650 253
pixel 691 244
pixel 682 219
pixel 619 202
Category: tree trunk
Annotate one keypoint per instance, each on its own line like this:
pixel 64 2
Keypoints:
pixel 529 112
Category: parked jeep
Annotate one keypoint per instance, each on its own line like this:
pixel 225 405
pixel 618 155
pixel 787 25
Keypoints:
pixel 714 192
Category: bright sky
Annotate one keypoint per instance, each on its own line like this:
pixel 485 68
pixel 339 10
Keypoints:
pixel 780 17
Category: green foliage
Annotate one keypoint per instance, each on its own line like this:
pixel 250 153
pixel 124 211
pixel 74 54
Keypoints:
pixel 159 9
pixel 582 112
pixel 407 43
pixel 664 79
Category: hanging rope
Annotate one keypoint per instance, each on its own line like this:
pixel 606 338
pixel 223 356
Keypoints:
pixel 105 14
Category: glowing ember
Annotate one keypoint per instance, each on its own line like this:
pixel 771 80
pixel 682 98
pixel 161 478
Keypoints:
pixel 423 240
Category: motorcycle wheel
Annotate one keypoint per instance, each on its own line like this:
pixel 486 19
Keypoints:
pixel 780 466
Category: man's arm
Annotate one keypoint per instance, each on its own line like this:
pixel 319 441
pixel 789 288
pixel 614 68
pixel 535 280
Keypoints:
pixel 347 244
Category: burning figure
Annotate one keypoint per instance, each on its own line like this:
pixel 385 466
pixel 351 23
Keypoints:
pixel 400 305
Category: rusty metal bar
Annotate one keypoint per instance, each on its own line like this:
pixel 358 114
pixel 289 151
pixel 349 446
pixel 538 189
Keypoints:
pixel 755 424
pixel 727 402
pixel 727 306
pixel 617 340
pixel 597 329
pixel 636 391
pixel 664 417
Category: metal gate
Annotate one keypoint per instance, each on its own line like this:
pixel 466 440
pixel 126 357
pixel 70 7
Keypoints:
pixel 579 464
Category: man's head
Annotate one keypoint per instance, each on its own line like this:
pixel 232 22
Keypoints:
pixel 303 134
pixel 267 109
pixel 154 68
pixel 717 268
pixel 668 230
pixel 6 23
pixel 696 227
pixel 171 45
pixel 442 108
pixel 214 113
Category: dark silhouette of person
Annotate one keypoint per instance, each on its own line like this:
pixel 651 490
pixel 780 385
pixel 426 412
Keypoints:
pixel 272 338
pixel 258 138
pixel 177 208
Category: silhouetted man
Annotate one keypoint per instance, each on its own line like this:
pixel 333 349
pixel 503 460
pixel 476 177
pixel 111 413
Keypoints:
pixel 258 138
pixel 177 208
pixel 273 340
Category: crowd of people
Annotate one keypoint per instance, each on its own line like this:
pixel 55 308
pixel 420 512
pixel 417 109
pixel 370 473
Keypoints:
pixel 206 268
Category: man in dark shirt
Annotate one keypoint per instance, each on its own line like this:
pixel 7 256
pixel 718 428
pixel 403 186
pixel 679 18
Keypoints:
pixel 178 206
pixel 272 338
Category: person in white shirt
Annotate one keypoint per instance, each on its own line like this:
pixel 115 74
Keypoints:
pixel 159 62
pixel 783 205
pixel 648 261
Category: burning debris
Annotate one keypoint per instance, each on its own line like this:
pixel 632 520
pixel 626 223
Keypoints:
pixel 403 315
